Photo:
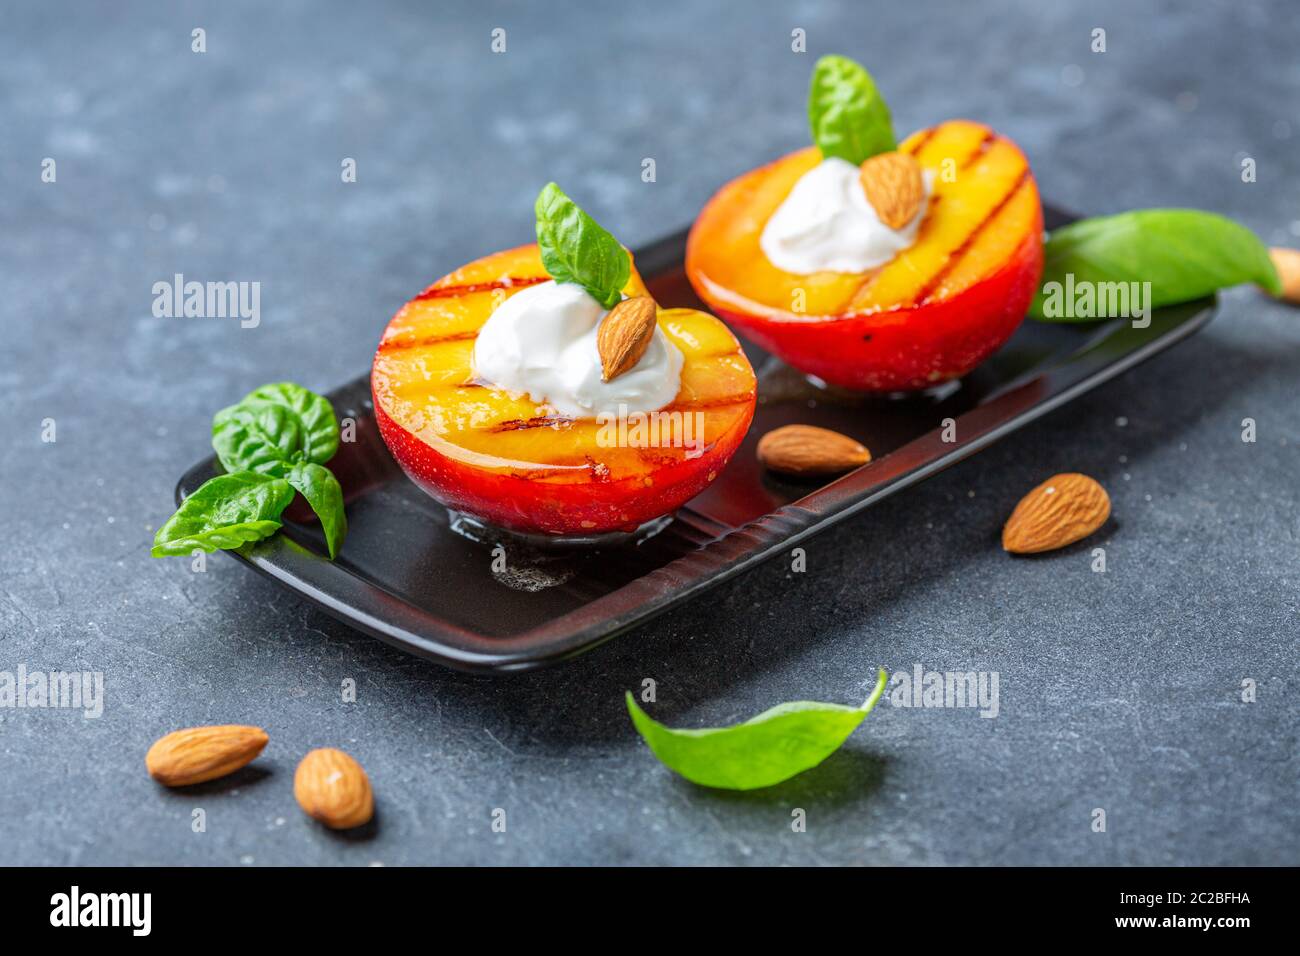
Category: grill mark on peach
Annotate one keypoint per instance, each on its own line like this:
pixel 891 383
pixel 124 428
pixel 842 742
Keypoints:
pixel 920 144
pixel 398 342
pixel 453 291
pixel 984 146
pixel 478 383
pixel 955 257
pixel 930 207
pixel 547 421
pixel 521 424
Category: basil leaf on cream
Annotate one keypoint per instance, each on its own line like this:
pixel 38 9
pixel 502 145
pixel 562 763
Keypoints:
pixel 575 248
pixel 849 119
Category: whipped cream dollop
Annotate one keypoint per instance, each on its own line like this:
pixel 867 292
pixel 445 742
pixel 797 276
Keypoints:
pixel 542 342
pixel 827 224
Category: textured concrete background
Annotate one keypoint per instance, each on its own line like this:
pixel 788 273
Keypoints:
pixel 1118 690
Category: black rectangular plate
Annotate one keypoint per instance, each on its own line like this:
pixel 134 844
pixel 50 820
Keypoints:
pixel 405 577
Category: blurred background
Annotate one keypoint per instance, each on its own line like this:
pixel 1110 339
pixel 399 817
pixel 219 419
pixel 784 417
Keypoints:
pixel 1119 691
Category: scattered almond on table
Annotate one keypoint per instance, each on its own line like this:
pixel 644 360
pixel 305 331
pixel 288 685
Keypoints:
pixel 198 754
pixel 1287 264
pixel 331 787
pixel 1062 510
pixel 808 450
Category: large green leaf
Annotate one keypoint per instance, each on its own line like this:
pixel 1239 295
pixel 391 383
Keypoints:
pixel 765 750
pixel 1183 253
pixel 224 512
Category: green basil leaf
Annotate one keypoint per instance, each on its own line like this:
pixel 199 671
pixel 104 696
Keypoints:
pixel 575 248
pixel 849 118
pixel 274 427
pixel 224 512
pixel 257 436
pixel 765 750
pixel 1184 253
pixel 318 485
pixel 320 427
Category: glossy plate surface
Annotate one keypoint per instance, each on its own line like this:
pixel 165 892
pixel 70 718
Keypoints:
pixel 405 577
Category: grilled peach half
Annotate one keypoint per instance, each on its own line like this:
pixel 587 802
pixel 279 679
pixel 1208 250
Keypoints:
pixel 931 314
pixel 506 460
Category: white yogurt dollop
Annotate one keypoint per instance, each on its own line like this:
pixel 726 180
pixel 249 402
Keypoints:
pixel 827 224
pixel 542 342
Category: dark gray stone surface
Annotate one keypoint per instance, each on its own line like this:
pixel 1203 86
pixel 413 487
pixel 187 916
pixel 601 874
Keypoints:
pixel 1119 690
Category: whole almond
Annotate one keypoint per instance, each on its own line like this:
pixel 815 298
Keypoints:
pixel 331 787
pixel 894 187
pixel 197 754
pixel 1287 263
pixel 625 334
pixel 1062 510
pixel 808 450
